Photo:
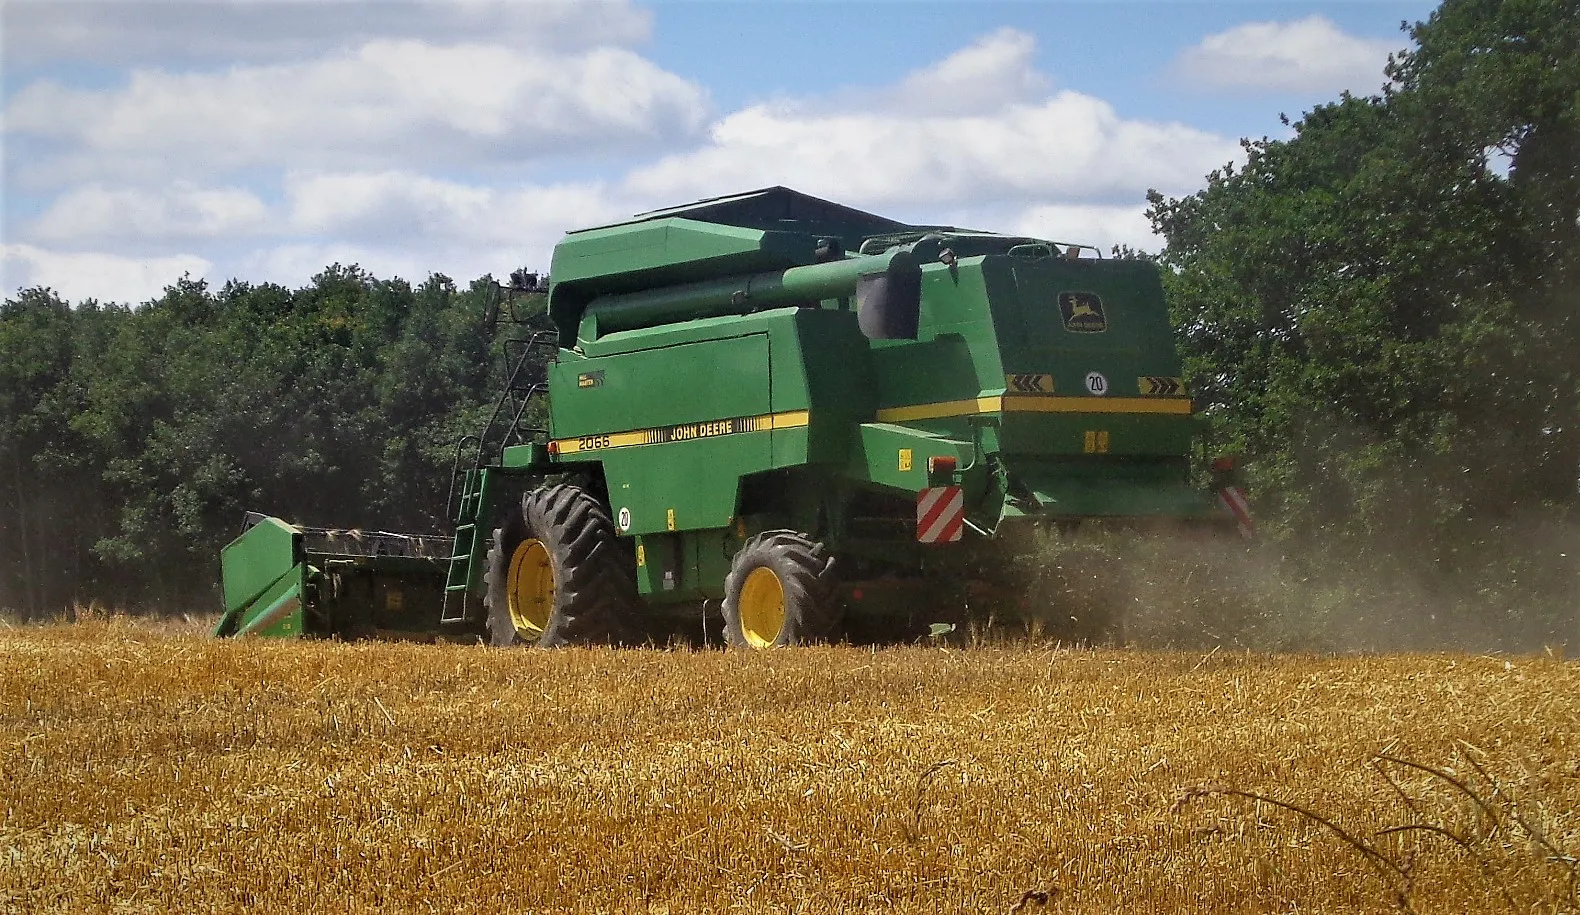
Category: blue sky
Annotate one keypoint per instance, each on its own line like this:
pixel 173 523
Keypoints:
pixel 264 140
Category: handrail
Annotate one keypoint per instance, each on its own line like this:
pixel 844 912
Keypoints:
pixel 517 355
pixel 451 508
pixel 515 422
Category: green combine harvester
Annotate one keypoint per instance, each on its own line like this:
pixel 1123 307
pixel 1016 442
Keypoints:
pixel 784 415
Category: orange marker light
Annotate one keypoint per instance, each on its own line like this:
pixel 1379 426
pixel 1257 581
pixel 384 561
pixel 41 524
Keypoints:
pixel 554 448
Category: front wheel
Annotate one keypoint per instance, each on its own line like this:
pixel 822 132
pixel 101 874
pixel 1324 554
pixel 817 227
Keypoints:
pixel 557 574
pixel 779 593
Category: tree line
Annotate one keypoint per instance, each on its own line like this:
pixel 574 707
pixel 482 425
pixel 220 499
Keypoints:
pixel 1379 313
pixel 132 440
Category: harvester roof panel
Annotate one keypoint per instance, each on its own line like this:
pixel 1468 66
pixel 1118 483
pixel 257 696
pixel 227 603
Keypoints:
pixel 778 208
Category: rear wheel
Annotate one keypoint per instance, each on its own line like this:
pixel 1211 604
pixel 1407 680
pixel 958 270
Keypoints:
pixel 779 593
pixel 557 574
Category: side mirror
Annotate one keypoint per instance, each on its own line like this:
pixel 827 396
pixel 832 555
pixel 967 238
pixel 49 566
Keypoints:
pixel 889 302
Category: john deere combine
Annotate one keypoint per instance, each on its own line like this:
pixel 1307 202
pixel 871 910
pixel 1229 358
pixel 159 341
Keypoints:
pixel 787 413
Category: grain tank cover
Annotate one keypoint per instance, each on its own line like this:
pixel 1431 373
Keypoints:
pixel 783 209
pixel 753 232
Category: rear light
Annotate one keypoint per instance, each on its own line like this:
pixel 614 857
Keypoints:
pixel 942 464
pixel 1223 463
pixel 856 594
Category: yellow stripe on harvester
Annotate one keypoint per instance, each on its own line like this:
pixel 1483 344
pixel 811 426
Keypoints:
pixel 1173 405
pixel 684 432
pixel 1011 403
pixel 793 419
pixel 941 410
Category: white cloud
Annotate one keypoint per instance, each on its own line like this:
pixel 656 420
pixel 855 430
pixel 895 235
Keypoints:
pixel 1089 224
pixel 362 151
pixel 405 102
pixel 412 209
pixel 84 275
pixel 294 263
pixel 382 203
pixel 1307 55
pixel 1069 146
pixel 390 222
pixel 121 32
pixel 994 71
pixel 182 210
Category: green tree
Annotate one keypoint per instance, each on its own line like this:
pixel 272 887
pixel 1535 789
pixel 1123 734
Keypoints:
pixel 51 506
pixel 1374 294
pixel 132 440
pixel 1498 82
pixel 1380 312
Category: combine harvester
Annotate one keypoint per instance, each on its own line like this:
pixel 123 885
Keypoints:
pixel 802 418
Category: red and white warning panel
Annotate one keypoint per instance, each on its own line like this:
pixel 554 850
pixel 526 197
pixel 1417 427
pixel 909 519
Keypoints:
pixel 1234 501
pixel 940 514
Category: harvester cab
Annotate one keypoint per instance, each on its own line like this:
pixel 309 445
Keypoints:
pixel 797 416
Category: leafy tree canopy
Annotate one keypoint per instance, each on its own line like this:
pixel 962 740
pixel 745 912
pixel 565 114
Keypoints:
pixel 131 441
pixel 1381 311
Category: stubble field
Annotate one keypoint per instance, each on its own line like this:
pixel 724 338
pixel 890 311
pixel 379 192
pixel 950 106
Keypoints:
pixel 153 770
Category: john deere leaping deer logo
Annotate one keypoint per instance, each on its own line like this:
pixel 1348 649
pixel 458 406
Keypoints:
pixel 1083 312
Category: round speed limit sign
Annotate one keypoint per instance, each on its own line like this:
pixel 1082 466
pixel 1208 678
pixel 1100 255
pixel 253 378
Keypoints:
pixel 1096 383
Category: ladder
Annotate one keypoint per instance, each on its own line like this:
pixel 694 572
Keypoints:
pixel 468 497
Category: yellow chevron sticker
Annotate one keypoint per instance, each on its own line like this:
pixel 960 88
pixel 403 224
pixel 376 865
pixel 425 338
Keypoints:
pixel 1028 384
pixel 1160 386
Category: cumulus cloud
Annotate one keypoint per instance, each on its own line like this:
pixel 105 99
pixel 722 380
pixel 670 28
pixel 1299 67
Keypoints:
pixel 406 208
pixel 1071 145
pixel 1099 225
pixel 122 32
pixel 386 101
pixel 991 72
pixel 392 222
pixel 293 263
pixel 1307 55
pixel 401 223
pixel 406 157
pixel 980 125
pixel 96 275
pixel 181 210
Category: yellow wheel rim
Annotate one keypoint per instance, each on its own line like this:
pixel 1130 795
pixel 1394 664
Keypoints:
pixel 530 587
pixel 762 606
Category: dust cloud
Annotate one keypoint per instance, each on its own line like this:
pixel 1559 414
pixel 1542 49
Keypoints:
pixel 1517 589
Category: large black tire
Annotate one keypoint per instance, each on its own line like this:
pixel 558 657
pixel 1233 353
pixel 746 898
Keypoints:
pixel 804 574
pixel 594 574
